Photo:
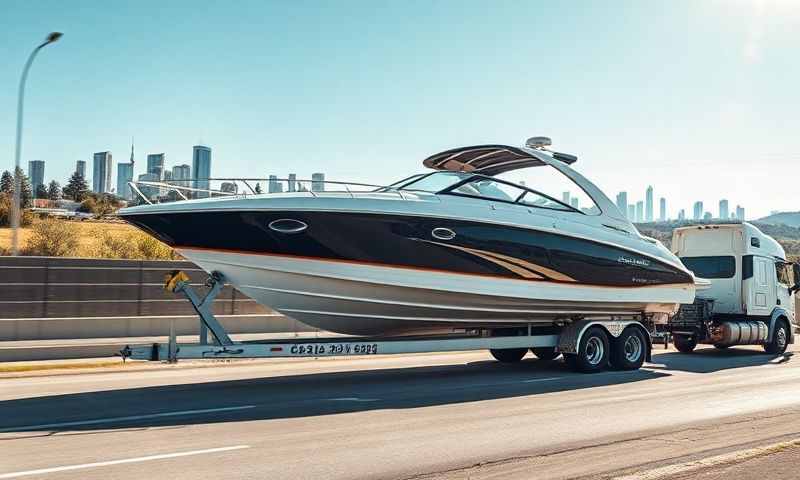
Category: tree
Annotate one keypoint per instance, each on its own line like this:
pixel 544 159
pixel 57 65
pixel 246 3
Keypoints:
pixel 26 192
pixel 258 188
pixel 76 188
pixel 41 191
pixel 54 191
pixel 6 183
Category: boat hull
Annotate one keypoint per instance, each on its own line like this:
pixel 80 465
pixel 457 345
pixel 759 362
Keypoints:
pixel 363 299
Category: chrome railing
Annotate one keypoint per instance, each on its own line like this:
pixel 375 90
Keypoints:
pixel 178 190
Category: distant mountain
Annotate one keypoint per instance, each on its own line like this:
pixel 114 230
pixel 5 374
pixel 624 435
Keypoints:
pixel 791 219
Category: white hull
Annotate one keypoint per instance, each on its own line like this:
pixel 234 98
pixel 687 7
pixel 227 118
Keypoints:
pixel 367 299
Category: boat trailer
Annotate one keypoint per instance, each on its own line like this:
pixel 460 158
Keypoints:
pixel 566 340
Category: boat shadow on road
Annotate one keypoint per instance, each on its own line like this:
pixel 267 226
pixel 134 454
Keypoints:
pixel 284 397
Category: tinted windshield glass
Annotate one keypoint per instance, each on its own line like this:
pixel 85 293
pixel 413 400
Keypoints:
pixel 489 188
pixel 435 182
pixel 711 267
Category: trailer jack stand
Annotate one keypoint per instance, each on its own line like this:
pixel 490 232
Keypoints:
pixel 178 282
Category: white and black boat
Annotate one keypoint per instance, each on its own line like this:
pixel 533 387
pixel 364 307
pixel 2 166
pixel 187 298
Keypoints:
pixel 454 248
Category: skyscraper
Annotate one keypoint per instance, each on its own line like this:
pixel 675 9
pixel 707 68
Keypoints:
pixel 723 209
pixel 565 197
pixel 124 175
pixel 574 203
pixel 155 164
pixel 36 173
pixel 317 182
pixel 740 212
pixel 80 168
pixel 707 216
pixel 181 172
pixel 622 203
pixel 292 182
pixel 639 211
pixel 150 192
pixel 101 173
pixel 631 212
pixel 201 168
pixel 682 214
pixel 274 186
pixel 648 197
pixel 698 210
pixel 662 210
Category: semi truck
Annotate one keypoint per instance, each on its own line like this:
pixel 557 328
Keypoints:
pixel 750 299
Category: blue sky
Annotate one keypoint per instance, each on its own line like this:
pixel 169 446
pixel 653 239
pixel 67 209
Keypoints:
pixel 698 98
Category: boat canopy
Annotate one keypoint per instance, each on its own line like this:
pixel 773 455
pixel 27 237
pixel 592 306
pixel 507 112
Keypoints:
pixel 491 159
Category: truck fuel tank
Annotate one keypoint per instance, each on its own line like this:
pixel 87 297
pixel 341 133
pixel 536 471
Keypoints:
pixel 739 332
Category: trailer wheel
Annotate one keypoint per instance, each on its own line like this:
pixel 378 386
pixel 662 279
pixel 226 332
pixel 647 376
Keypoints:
pixel 721 347
pixel 629 350
pixel 780 339
pixel 508 355
pixel 684 344
pixel 545 353
pixel 593 352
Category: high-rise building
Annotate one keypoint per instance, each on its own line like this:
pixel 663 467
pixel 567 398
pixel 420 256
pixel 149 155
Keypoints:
pixel 649 204
pixel 36 173
pixel 662 209
pixel 167 175
pixel 639 211
pixel 292 183
pixel 101 172
pixel 124 175
pixel 707 216
pixel 565 197
pixel 740 212
pixel 622 203
pixel 317 182
pixel 631 212
pixel 698 211
pixel 80 168
pixel 155 164
pixel 723 209
pixel 274 186
pixel 201 168
pixel 181 172
pixel 681 214
pixel 574 203
pixel 151 192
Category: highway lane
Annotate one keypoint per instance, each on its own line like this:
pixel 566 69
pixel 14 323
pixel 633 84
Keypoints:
pixel 392 417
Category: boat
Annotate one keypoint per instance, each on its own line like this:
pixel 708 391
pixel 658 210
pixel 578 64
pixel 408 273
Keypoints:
pixel 456 247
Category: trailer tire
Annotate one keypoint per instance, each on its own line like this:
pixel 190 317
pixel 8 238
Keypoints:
pixel 508 355
pixel 629 350
pixel 593 352
pixel 545 353
pixel 721 347
pixel 684 344
pixel 780 339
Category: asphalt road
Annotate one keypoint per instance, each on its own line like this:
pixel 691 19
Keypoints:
pixel 456 415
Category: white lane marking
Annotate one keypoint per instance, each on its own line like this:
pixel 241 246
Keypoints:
pixel 123 419
pixel 353 399
pixel 535 380
pixel 162 456
pixel 738 456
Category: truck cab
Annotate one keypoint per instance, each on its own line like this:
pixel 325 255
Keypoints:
pixel 750 299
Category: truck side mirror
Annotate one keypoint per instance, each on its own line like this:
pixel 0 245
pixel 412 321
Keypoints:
pixel 796 274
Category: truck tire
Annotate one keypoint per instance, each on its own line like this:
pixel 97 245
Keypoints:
pixel 780 339
pixel 684 344
pixel 545 353
pixel 508 355
pixel 593 352
pixel 629 350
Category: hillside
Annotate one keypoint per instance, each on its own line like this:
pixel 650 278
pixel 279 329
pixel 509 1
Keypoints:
pixel 791 219
pixel 787 236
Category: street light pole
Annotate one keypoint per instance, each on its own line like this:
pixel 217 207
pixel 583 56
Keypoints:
pixel 16 207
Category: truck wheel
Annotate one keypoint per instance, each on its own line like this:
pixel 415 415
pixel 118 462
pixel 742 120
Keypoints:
pixel 684 344
pixel 629 350
pixel 593 352
pixel 545 353
pixel 508 355
pixel 721 347
pixel 780 339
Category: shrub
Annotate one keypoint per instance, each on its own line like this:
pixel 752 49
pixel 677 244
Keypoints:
pixel 5 212
pixel 133 245
pixel 52 238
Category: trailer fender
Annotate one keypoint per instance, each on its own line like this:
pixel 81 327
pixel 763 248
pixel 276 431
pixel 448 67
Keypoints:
pixel 780 314
pixel 571 336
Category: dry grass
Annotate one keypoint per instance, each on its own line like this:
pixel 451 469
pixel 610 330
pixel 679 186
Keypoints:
pixel 91 236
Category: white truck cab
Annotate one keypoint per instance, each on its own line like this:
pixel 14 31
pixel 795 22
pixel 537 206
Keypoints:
pixel 751 296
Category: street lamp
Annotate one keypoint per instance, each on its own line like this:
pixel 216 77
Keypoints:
pixel 15 208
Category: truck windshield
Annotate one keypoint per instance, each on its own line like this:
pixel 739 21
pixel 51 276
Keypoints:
pixel 711 267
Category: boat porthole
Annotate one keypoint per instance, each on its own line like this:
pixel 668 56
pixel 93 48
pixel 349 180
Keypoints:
pixel 287 225
pixel 442 233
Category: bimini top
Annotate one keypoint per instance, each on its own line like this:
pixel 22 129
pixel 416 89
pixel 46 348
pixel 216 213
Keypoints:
pixel 491 159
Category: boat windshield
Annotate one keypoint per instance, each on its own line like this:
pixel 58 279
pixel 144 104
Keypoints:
pixel 434 182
